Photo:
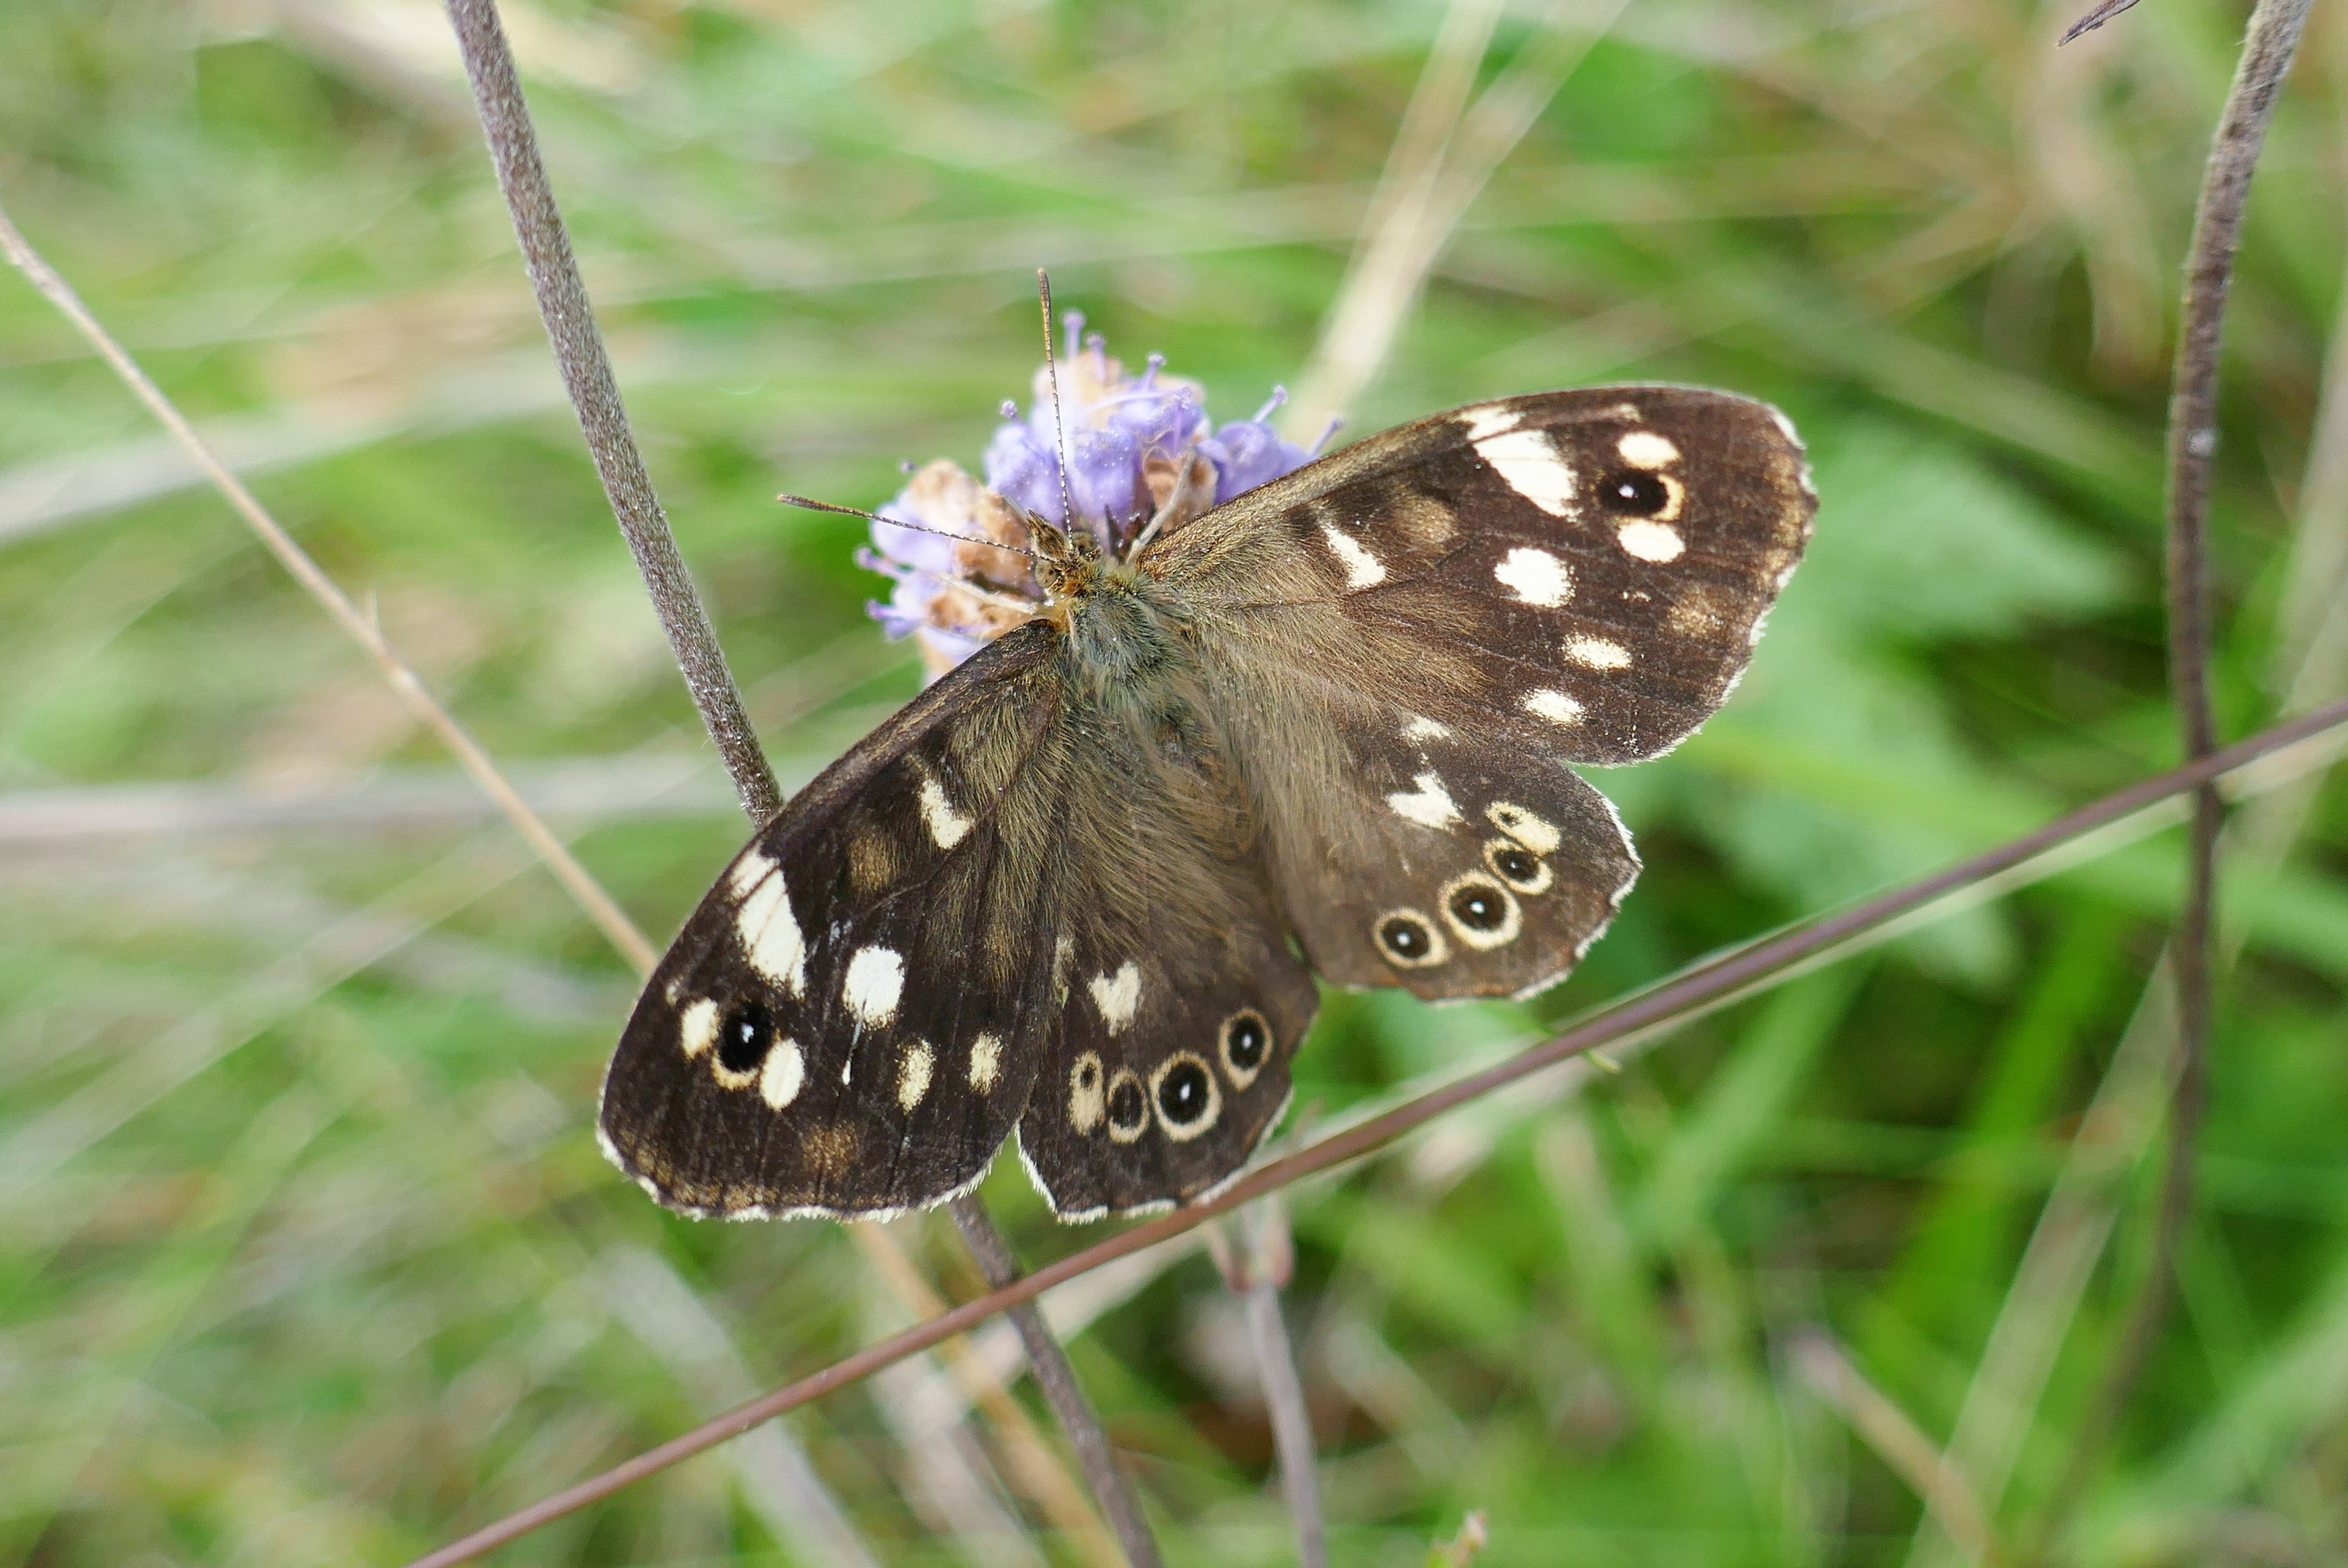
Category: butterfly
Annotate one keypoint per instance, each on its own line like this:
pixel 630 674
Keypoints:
pixel 1078 891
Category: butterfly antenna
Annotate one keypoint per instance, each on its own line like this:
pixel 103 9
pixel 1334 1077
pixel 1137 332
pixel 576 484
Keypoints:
pixel 813 505
pixel 1059 421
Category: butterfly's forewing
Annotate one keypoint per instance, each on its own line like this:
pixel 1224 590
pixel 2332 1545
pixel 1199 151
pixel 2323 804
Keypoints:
pixel 1410 638
pixel 850 1021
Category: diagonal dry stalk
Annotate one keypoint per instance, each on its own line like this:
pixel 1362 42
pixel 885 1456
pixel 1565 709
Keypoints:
pixel 1693 989
pixel 608 916
pixel 602 417
pixel 1257 1266
pixel 1031 1462
pixel 1894 1435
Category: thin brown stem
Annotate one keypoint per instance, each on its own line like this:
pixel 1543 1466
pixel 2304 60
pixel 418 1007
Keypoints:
pixel 1291 1420
pixel 587 375
pixel 1111 1487
pixel 2267 50
pixel 1691 990
pixel 570 320
pixel 1258 1256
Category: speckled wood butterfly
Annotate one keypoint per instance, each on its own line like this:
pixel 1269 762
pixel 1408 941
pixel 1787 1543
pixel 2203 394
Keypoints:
pixel 1079 887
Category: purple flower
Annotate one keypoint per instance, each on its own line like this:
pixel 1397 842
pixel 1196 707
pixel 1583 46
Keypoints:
pixel 1132 446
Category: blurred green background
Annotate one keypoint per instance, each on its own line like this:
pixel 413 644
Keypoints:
pixel 306 1253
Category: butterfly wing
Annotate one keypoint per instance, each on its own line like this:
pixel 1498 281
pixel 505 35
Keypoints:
pixel 1412 638
pixel 1027 892
pixel 850 1019
pixel 1182 1002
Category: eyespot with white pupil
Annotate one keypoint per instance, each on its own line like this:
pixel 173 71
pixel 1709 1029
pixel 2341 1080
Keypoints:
pixel 1245 1041
pixel 743 1038
pixel 1409 939
pixel 1517 866
pixel 1185 1093
pixel 1129 1107
pixel 1477 909
pixel 1634 493
pixel 1481 911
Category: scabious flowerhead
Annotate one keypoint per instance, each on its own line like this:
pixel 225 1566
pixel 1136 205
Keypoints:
pixel 1140 449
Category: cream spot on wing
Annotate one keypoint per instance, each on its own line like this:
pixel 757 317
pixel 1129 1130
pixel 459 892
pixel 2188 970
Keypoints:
pixel 1430 804
pixel 1657 542
pixel 749 872
pixel 1529 464
pixel 1597 653
pixel 779 1079
pixel 1117 996
pixel 947 826
pixel 1536 577
pixel 770 933
pixel 1629 411
pixel 875 980
pixel 1421 730
pixel 1553 705
pixel 1486 420
pixel 1535 832
pixel 985 1061
pixel 697 1027
pixel 1087 1097
pixel 913 1070
pixel 1362 569
pixel 1645 449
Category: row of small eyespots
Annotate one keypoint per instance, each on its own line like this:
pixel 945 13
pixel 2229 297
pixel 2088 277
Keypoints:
pixel 1482 911
pixel 1183 1089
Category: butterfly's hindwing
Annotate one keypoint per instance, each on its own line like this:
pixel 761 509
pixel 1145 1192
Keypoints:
pixel 1413 637
pixel 1168 1063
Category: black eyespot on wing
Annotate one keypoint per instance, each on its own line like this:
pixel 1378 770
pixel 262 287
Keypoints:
pixel 1634 493
pixel 1479 910
pixel 1184 1093
pixel 1129 1108
pixel 1406 938
pixel 1245 1041
pixel 1515 865
pixel 743 1039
